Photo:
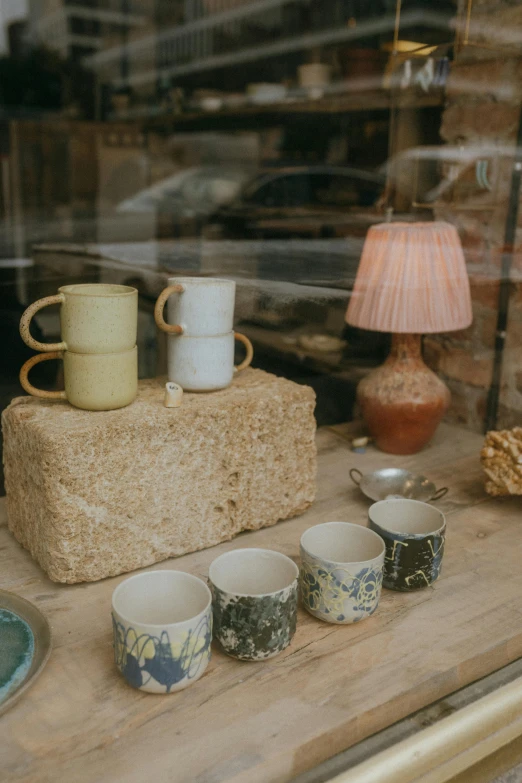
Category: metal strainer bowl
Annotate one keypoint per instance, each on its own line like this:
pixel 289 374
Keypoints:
pixel 395 482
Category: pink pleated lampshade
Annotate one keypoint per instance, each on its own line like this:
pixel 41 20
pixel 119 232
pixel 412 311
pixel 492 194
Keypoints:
pixel 412 278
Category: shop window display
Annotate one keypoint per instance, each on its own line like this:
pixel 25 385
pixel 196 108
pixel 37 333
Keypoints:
pixel 259 158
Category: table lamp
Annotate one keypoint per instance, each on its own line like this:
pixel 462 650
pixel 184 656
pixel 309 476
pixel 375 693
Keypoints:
pixel 411 280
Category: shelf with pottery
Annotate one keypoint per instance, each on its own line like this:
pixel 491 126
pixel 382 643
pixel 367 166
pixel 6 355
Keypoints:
pixel 308 347
pixel 354 101
pixel 332 687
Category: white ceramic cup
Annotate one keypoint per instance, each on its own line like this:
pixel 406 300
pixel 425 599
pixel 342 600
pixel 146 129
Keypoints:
pixel 197 306
pixel 341 571
pixel 204 364
pixel 162 622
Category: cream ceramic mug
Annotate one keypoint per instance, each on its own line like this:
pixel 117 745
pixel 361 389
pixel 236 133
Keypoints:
pixel 197 306
pixel 94 317
pixel 94 382
pixel 204 364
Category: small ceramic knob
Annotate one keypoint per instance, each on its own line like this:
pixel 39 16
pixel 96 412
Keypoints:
pixel 173 395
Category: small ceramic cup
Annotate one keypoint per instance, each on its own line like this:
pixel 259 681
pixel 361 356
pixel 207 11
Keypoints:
pixel 254 600
pixel 203 364
pixel 414 535
pixel 162 623
pixel 93 381
pixel 197 306
pixel 341 571
pixel 94 318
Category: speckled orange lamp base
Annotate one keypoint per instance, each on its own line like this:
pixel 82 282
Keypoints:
pixel 403 401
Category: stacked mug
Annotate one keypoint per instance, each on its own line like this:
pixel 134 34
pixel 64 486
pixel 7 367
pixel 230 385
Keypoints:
pixel 98 328
pixel 201 335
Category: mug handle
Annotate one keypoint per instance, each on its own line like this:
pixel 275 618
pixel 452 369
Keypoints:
pixel 28 386
pixel 439 494
pixel 249 349
pixel 160 304
pixel 25 322
pixel 356 472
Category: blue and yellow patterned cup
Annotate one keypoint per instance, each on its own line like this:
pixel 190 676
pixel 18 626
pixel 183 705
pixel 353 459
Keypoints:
pixel 341 571
pixel 162 623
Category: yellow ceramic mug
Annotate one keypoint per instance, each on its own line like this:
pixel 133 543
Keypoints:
pixel 94 317
pixel 94 382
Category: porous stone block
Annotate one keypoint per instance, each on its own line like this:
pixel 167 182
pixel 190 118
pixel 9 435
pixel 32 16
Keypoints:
pixel 93 495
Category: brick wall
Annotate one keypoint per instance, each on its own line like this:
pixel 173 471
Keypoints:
pixel 484 95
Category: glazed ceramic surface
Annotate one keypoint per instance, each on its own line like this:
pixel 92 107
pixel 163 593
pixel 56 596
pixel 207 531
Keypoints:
pixel 254 600
pixel 25 646
pixel 94 382
pixel 201 306
pixel 341 572
pixel 205 307
pixel 414 535
pixel 94 317
pixel 162 623
pixel 403 401
pixel 204 363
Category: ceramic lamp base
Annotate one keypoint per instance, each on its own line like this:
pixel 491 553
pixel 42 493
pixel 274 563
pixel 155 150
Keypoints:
pixel 403 401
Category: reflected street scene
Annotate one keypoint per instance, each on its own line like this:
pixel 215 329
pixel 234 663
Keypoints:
pixel 258 140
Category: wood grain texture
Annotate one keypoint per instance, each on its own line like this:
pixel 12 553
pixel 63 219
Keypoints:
pixel 335 685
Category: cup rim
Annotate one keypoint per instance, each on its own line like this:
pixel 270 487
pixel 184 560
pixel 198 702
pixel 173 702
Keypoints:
pixel 126 290
pixel 110 353
pixel 411 534
pixel 185 279
pixel 344 562
pixel 190 577
pixel 279 556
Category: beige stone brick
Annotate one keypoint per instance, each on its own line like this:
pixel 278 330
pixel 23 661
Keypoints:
pixel 92 495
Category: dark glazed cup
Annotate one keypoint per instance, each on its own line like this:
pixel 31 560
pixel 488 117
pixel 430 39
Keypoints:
pixel 414 535
pixel 254 601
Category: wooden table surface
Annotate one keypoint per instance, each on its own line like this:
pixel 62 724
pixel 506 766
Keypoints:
pixel 334 686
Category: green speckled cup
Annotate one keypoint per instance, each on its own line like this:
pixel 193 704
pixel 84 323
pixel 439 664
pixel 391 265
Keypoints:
pixel 254 602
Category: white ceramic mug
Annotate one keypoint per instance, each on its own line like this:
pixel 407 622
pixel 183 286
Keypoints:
pixel 162 622
pixel 197 306
pixel 203 364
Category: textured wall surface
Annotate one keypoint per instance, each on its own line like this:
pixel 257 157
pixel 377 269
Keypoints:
pixel 484 95
pixel 97 494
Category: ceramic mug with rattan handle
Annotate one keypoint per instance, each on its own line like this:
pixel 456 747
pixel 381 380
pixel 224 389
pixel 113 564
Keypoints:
pixel 205 364
pixel 197 306
pixel 95 318
pixel 200 329
pixel 94 382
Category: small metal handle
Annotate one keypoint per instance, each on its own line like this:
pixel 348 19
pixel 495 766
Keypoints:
pixel 357 472
pixel 439 494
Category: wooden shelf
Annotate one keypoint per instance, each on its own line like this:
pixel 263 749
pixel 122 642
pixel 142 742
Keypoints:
pixel 370 100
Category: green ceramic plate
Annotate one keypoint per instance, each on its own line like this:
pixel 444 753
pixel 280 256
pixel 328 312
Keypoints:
pixel 25 646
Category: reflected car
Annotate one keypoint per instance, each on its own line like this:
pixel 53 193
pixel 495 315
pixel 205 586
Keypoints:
pixel 186 199
pixel 301 202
